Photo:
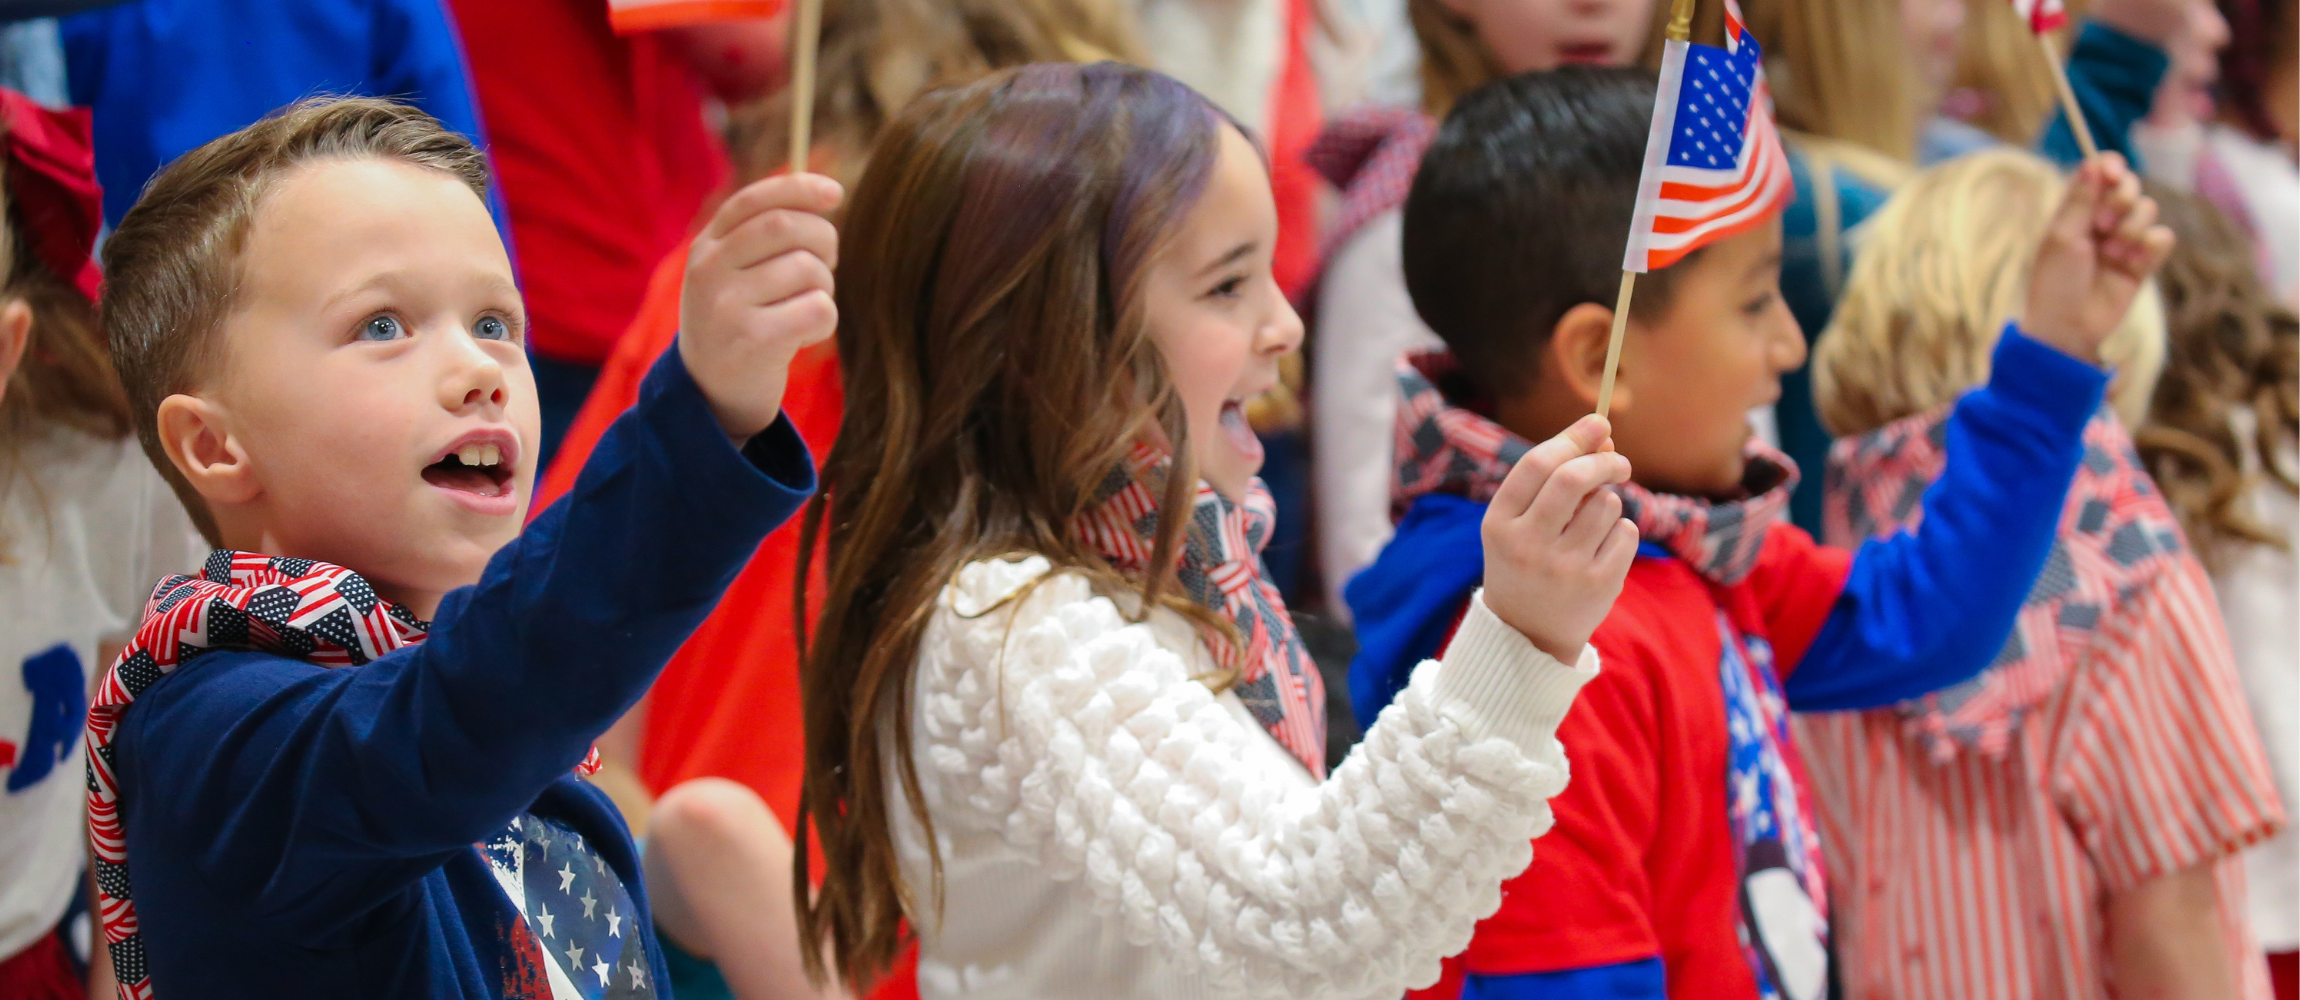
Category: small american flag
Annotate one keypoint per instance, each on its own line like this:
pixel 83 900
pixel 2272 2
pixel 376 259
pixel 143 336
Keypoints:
pixel 2042 15
pixel 1714 166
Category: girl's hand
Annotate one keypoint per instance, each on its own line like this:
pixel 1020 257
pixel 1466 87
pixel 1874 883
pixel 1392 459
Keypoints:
pixel 2101 244
pixel 1556 545
pixel 758 289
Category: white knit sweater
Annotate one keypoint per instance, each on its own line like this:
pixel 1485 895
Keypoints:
pixel 1110 828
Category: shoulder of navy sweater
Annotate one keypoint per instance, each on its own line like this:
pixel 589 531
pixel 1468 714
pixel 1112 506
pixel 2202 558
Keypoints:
pixel 772 473
pixel 2101 47
pixel 2046 382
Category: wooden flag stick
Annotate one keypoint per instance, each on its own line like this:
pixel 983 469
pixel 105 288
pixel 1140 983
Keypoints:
pixel 2068 103
pixel 808 32
pixel 1613 349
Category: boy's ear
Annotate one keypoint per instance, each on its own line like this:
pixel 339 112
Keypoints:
pixel 15 336
pixel 198 439
pixel 1577 347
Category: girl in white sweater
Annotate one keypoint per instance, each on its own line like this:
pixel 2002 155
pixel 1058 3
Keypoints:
pixel 1057 721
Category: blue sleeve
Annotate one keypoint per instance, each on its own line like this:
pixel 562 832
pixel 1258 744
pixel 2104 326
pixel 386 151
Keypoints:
pixel 1927 610
pixel 2114 76
pixel 1638 980
pixel 1403 604
pixel 316 793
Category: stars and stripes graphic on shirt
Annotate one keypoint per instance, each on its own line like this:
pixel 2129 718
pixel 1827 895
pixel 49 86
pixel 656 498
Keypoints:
pixel 305 609
pixel 580 938
pixel 2041 15
pixel 1714 164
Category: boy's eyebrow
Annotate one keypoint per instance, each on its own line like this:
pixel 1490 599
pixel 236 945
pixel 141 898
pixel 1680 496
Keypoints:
pixel 384 279
pixel 1236 254
pixel 1769 262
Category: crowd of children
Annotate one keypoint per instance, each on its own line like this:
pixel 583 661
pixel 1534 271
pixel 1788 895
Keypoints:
pixel 1161 505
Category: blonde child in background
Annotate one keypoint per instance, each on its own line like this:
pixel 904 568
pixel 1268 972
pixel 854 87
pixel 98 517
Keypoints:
pixel 2085 799
pixel 1057 715
pixel 2222 439
pixel 1363 318
pixel 86 525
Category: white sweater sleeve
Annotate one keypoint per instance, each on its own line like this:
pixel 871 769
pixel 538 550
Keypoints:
pixel 1086 742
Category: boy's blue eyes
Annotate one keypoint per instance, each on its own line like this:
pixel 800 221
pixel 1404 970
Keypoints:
pixel 378 329
pixel 381 328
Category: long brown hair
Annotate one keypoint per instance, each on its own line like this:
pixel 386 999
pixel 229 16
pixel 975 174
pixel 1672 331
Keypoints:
pixel 1840 70
pixel 878 54
pixel 2232 344
pixel 65 378
pixel 992 336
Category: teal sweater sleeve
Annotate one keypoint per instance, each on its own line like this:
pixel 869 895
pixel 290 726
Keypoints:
pixel 2114 76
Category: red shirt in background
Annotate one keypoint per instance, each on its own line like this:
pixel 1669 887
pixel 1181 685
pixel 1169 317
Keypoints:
pixel 602 154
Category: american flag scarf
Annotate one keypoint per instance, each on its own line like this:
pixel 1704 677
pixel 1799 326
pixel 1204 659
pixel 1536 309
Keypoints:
pixel 1220 567
pixel 322 614
pixel 1445 448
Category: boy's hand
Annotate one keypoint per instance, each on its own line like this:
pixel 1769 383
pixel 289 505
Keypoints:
pixel 758 289
pixel 2101 244
pixel 1556 546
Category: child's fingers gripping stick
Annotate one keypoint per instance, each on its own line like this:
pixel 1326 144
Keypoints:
pixel 758 288
pixel 1556 546
pixel 2101 244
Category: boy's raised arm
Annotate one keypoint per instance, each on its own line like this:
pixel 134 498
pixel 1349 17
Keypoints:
pixel 1930 609
pixel 333 788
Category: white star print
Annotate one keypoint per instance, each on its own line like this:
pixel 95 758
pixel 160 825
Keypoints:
pixel 588 903
pixel 566 876
pixel 574 955
pixel 515 822
pixel 638 976
pixel 602 969
pixel 602 863
pixel 614 923
pixel 543 916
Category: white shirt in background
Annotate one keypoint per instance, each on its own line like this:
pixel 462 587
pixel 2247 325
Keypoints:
pixel 1366 321
pixel 88 530
pixel 2259 591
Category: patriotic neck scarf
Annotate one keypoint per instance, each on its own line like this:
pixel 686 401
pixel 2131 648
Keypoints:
pixel 312 611
pixel 1220 567
pixel 1444 448
pixel 2116 532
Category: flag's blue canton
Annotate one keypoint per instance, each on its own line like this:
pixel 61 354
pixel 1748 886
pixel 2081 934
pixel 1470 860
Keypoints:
pixel 1713 106
pixel 575 907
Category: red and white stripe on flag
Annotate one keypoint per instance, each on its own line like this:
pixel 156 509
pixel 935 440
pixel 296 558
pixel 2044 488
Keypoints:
pixel 2042 15
pixel 633 16
pixel 1690 193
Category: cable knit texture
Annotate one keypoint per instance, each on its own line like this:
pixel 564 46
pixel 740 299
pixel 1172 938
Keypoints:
pixel 1111 828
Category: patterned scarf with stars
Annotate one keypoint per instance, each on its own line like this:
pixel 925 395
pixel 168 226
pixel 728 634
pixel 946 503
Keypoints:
pixel 322 614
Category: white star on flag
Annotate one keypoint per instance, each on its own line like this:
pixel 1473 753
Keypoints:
pixel 566 876
pixel 588 904
pixel 543 916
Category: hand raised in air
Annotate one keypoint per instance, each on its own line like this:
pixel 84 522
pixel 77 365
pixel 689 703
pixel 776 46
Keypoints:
pixel 758 288
pixel 1556 545
pixel 2102 243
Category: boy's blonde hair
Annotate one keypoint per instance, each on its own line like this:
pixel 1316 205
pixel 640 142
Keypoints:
pixel 1941 267
pixel 172 269
pixel 879 54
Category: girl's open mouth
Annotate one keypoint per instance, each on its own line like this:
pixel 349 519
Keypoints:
pixel 1240 432
pixel 477 469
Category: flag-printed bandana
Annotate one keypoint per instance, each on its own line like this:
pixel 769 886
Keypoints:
pixel 1443 448
pixel 301 608
pixel 2115 533
pixel 1220 567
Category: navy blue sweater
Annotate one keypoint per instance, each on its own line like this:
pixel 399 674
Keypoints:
pixel 299 831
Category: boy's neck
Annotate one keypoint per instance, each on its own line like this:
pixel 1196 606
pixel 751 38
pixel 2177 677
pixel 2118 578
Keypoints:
pixel 422 603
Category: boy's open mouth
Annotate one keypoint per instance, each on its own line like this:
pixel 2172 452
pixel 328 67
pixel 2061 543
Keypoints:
pixel 474 468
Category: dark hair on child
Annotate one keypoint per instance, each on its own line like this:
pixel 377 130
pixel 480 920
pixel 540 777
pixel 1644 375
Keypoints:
pixel 2260 33
pixel 2231 344
pixel 172 269
pixel 1521 211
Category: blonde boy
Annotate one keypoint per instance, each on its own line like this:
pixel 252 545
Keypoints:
pixel 322 344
